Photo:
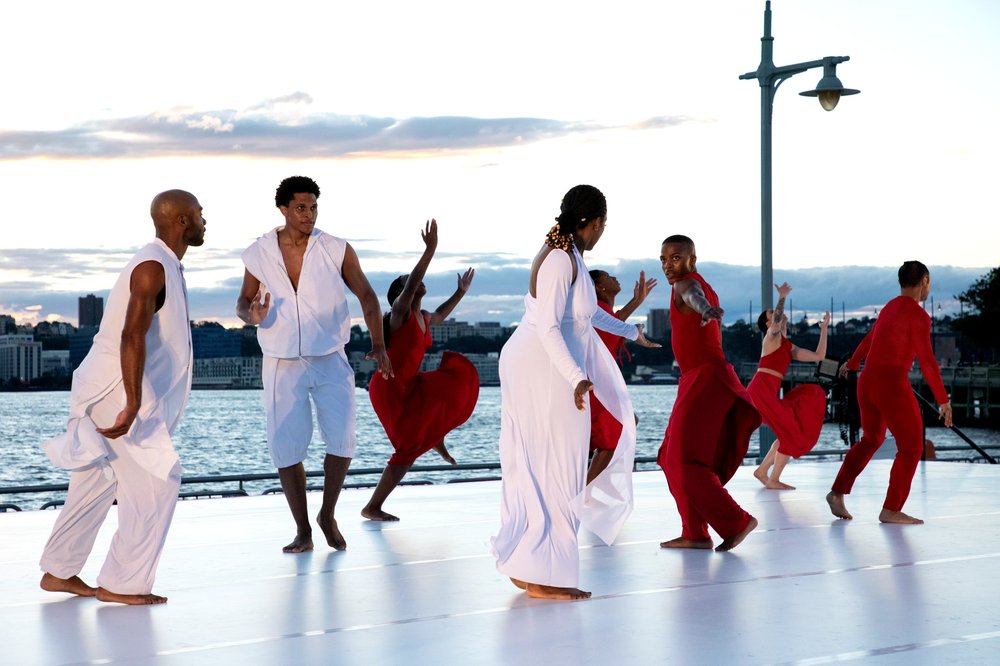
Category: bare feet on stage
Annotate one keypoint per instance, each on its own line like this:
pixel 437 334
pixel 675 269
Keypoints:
pixel 837 507
pixel 681 542
pixel 377 514
pixel 561 593
pixel 334 538
pixel 778 485
pixel 72 585
pixel 130 599
pixel 736 539
pixel 887 516
pixel 302 543
pixel 761 475
pixel 519 584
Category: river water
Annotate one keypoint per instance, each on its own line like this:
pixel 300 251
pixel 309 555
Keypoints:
pixel 222 432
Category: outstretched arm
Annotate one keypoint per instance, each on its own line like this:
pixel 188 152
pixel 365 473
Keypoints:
pixel 443 310
pixel 357 282
pixel 639 294
pixel 404 302
pixel 692 295
pixel 147 284
pixel 800 354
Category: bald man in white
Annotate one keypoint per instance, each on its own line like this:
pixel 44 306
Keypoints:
pixel 127 398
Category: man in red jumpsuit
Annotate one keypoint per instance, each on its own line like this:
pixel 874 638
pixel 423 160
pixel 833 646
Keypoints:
pixel 901 332
pixel 710 426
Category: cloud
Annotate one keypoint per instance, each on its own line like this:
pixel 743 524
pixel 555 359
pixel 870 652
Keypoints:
pixel 497 293
pixel 285 126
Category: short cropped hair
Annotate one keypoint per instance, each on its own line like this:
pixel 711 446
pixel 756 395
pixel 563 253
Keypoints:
pixel 293 185
pixel 911 273
pixel 596 273
pixel 762 322
pixel 678 239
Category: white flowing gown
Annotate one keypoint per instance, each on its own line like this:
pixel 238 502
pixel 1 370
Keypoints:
pixel 544 438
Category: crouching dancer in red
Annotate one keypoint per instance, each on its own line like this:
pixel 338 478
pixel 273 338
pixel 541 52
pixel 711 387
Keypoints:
pixel 797 418
pixel 902 331
pixel 417 409
pixel 709 429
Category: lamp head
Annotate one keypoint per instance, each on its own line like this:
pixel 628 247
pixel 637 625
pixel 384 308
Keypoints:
pixel 829 89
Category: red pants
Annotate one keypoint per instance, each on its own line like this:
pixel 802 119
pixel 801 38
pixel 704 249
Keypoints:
pixel 886 401
pixel 707 436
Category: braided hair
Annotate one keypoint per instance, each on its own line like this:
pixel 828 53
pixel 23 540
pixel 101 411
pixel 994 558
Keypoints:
pixel 581 204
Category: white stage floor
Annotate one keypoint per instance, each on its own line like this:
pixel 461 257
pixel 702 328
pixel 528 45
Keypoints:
pixel 805 588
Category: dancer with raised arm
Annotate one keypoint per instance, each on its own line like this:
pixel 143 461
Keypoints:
pixel 709 430
pixel 604 428
pixel 548 368
pixel 127 398
pixel 797 418
pixel 295 292
pixel 417 409
pixel 901 332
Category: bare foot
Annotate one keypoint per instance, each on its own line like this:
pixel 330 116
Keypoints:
pixel 887 516
pixel 836 502
pixel 334 538
pixel 736 539
pixel 377 514
pixel 130 599
pixel 778 485
pixel 681 542
pixel 443 452
pixel 549 592
pixel 302 543
pixel 520 584
pixel 72 585
pixel 761 475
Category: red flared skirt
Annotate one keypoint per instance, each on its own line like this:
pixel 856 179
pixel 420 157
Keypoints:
pixel 795 419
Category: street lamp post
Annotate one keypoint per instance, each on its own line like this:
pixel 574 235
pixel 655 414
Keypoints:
pixel 828 90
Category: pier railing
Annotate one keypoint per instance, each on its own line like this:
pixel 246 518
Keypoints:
pixel 233 485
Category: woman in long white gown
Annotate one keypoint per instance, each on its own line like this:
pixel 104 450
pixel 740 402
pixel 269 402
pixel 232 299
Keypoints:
pixel 547 369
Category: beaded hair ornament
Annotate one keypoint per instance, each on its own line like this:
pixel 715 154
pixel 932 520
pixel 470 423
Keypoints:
pixel 559 241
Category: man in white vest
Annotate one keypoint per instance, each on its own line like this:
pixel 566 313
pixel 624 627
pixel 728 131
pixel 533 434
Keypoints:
pixel 127 398
pixel 294 292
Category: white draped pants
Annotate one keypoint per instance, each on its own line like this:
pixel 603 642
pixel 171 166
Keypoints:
pixel 145 508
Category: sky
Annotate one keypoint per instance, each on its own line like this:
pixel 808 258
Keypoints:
pixel 482 116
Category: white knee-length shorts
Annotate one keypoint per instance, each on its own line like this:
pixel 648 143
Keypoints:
pixel 288 385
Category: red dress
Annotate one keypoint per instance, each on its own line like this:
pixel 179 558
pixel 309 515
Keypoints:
pixel 417 409
pixel 796 419
pixel 605 429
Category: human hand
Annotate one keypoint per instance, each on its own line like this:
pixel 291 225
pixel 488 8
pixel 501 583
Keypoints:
pixel 944 413
pixel 642 287
pixel 381 357
pixel 430 234
pixel 843 370
pixel 580 393
pixel 826 321
pixel 122 423
pixel 711 314
pixel 643 341
pixel 258 308
pixel 784 289
pixel 465 281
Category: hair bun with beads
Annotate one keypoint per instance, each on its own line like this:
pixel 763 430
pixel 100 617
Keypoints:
pixel 557 240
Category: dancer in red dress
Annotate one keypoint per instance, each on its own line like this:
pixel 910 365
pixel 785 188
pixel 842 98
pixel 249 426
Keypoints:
pixel 605 430
pixel 798 417
pixel 902 331
pixel 709 429
pixel 417 409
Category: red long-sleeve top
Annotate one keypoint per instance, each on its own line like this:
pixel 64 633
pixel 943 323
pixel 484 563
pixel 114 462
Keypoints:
pixel 902 331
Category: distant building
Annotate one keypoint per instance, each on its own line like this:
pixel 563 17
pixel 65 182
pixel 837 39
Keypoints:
pixel 55 363
pixel 7 324
pixel 211 340
pixel 20 358
pixel 80 343
pixel 234 372
pixel 487 365
pixel 658 323
pixel 450 329
pixel 91 310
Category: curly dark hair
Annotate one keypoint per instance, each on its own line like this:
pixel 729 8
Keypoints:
pixel 293 185
pixel 580 205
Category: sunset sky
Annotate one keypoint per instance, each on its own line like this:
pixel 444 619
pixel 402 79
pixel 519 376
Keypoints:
pixel 483 115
